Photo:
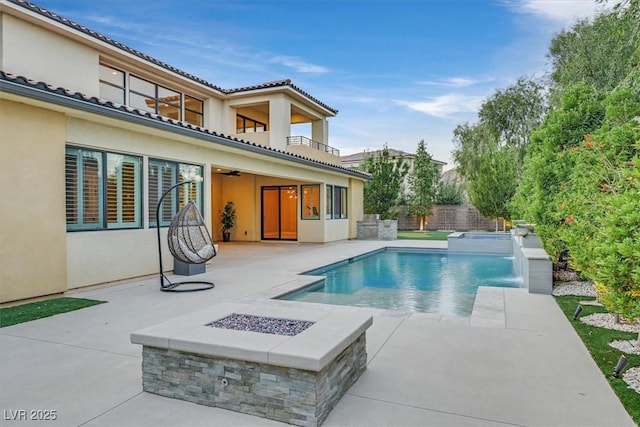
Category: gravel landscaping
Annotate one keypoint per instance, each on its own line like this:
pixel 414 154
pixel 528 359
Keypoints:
pixel 575 287
pixel 627 346
pixel 632 378
pixel 608 320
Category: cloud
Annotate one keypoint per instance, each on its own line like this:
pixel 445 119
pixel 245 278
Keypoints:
pixel 298 64
pixel 445 106
pixel 210 48
pixel 451 82
pixel 563 12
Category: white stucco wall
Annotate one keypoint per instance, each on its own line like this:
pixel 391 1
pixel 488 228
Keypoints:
pixel 107 256
pixel 215 114
pixel 32 211
pixel 41 55
pixel 279 121
pixel 336 229
pixel 320 131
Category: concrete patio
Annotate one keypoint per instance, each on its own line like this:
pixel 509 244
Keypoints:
pixel 515 361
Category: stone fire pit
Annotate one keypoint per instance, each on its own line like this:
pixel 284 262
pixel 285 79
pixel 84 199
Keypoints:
pixel 297 378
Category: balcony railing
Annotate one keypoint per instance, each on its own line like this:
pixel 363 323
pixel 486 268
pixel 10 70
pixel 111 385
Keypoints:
pixel 302 140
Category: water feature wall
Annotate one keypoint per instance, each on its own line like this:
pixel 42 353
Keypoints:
pixel 476 242
pixel 531 260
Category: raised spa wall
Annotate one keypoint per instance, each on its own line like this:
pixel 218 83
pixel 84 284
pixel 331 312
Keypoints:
pixel 531 261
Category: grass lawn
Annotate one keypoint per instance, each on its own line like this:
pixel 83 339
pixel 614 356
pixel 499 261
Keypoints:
pixel 37 310
pixel 423 235
pixel 596 340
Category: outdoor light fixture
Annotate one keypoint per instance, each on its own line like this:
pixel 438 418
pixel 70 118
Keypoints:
pixel 622 363
pixel 577 312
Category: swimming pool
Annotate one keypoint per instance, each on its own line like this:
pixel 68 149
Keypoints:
pixel 410 280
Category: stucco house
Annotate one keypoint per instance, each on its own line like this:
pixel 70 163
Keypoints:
pixel 355 161
pixel 92 132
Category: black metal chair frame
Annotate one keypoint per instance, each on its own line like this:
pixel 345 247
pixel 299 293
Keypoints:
pixel 167 285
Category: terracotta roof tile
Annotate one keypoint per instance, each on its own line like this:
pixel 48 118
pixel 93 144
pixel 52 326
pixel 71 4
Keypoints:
pixel 24 81
pixel 281 83
pixel 55 17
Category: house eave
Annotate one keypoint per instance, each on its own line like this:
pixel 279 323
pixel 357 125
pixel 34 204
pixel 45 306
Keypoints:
pixel 75 101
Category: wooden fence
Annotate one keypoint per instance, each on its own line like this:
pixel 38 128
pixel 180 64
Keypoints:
pixel 450 217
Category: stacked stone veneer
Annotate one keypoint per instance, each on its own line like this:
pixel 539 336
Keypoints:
pixel 291 395
pixel 373 228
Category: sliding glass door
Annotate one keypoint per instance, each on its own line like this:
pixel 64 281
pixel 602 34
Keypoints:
pixel 279 213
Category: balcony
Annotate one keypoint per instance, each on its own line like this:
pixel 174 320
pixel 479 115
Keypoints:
pixel 301 140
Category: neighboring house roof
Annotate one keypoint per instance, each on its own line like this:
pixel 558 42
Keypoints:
pixel 23 86
pixel 359 157
pixel 87 31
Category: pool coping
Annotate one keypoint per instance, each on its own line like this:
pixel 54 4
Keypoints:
pixel 488 307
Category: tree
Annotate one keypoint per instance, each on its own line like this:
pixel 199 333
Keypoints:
pixel 506 120
pixel 581 175
pixel 601 206
pixel 449 193
pixel 423 182
pixel 618 251
pixel 383 191
pixel 494 185
pixel 472 143
pixel 585 193
pixel 546 170
pixel 599 52
pixel 513 113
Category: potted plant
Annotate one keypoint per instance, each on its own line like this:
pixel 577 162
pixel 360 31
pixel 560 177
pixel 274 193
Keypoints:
pixel 228 217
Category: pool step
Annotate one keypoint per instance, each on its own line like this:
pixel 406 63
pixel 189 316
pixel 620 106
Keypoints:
pixel 489 308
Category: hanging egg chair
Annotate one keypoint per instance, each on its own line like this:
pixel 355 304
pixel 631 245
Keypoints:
pixel 189 241
pixel 188 237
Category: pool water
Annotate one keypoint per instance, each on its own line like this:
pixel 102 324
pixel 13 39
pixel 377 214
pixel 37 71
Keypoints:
pixel 410 280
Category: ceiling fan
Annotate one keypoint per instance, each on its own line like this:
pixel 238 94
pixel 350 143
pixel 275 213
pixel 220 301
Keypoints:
pixel 230 173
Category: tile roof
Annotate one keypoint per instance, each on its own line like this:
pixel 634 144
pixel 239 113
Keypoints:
pixel 356 157
pixel 43 87
pixel 281 83
pixel 69 23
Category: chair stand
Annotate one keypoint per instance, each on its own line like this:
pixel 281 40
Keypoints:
pixel 187 254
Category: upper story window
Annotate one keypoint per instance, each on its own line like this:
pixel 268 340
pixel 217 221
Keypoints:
pixel 112 86
pixel 149 96
pixel 154 98
pixel 246 124
pixel 193 110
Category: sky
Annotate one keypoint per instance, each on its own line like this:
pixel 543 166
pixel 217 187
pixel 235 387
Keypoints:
pixel 398 71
